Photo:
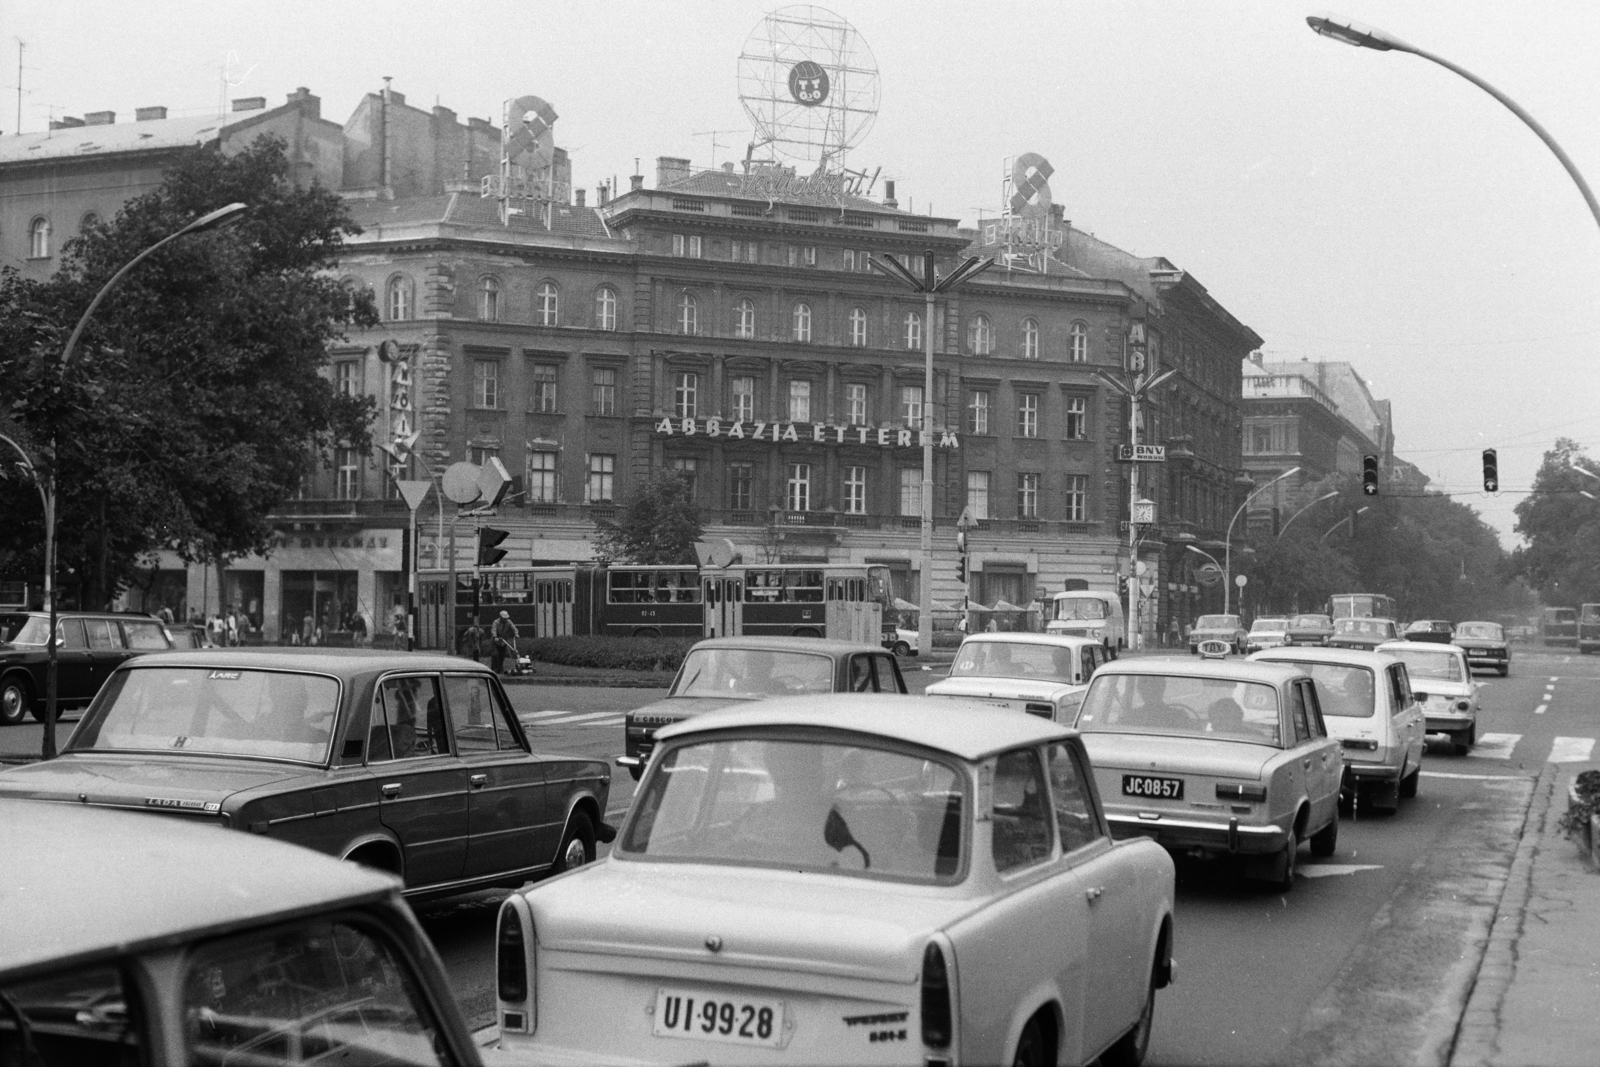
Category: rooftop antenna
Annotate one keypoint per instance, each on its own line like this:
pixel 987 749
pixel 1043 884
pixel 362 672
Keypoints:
pixel 21 44
pixel 715 144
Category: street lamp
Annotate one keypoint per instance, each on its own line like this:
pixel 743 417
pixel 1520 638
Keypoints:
pixel 929 285
pixel 1354 33
pixel 1308 507
pixel 223 216
pixel 1227 541
pixel 1341 522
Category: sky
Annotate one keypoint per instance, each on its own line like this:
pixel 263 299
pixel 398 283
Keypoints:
pixel 1346 204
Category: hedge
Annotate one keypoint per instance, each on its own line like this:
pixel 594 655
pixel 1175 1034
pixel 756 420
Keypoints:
pixel 616 653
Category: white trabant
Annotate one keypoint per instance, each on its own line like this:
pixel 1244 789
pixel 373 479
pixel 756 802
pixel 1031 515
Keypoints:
pixel 1222 758
pixel 1442 683
pixel 1368 706
pixel 1041 674
pixel 847 880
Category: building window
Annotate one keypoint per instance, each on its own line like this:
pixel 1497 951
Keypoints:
pixel 799 401
pixel 1077 509
pixel 39 239
pixel 913 331
pixel 1077 418
pixel 744 399
pixel 798 497
pixel 911 491
pixel 605 308
pixel 489 299
pixel 911 405
pixel 1030 339
pixel 485 383
pixel 802 322
pixel 605 391
pixel 858 327
pixel 849 259
pixel 686 395
pixel 855 402
pixel 346 377
pixel 90 221
pixel 547 304
pixel 978 494
pixel 855 259
pixel 688 468
pixel 745 252
pixel 746 325
pixel 808 255
pixel 478 455
pixel 741 486
pixel 544 387
pixel 1028 415
pixel 399 298
pixel 602 478
pixel 978 411
pixel 348 464
pixel 694 247
pixel 1080 342
pixel 686 246
pixel 855 490
pixel 688 314
pixel 541 479
pixel 980 335
pixel 1027 496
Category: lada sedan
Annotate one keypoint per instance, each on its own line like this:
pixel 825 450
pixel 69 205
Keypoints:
pixel 1363 634
pixel 129 940
pixel 1309 630
pixel 1438 631
pixel 721 672
pixel 1041 674
pixel 848 880
pixel 1266 632
pixel 1443 685
pixel 1219 758
pixel 1229 628
pixel 1485 644
pixel 408 762
pixel 1368 706
pixel 89 646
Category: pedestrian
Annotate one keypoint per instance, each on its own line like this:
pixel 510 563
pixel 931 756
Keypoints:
pixel 308 629
pixel 232 626
pixel 165 614
pixel 1172 632
pixel 504 633
pixel 471 643
pixel 358 629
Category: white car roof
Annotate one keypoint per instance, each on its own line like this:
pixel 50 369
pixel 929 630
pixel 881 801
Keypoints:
pixel 1057 640
pixel 1237 670
pixel 1419 646
pixel 970 729
pixel 1344 657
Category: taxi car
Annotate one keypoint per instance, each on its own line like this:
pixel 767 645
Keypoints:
pixel 131 940
pixel 409 762
pixel 721 672
pixel 847 880
pixel 1365 634
pixel 1485 644
pixel 1309 630
pixel 1442 683
pixel 1041 674
pixel 1229 628
pixel 1266 632
pixel 89 646
pixel 1226 758
pixel 1368 706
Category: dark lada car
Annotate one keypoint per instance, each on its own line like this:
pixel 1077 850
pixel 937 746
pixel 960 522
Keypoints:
pixel 1438 631
pixel 89 646
pixel 409 762
pixel 1363 634
pixel 1228 628
pixel 1308 630
pixel 1485 644
pixel 720 672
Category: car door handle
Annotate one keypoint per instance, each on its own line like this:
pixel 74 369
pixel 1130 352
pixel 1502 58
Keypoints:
pixel 391 789
pixel 477 780
pixel 1093 893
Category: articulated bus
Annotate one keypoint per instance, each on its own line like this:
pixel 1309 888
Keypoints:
pixel 1361 606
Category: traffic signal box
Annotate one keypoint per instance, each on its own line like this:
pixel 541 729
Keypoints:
pixel 488 554
pixel 1369 475
pixel 1491 471
pixel 961 567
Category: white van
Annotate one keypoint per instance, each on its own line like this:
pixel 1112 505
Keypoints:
pixel 1088 613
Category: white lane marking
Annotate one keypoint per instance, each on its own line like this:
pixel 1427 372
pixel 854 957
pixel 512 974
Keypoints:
pixel 526 715
pixel 1540 709
pixel 560 718
pixel 1494 746
pixel 1554 678
pixel 1571 750
pixel 1330 870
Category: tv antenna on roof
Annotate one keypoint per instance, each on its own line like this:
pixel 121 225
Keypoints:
pixel 715 144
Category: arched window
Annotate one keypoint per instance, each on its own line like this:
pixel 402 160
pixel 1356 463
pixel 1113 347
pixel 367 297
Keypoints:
pixel 489 299
pixel 858 327
pixel 90 221
pixel 1080 342
pixel 546 304
pixel 605 308
pixel 1030 339
pixel 980 335
pixel 397 299
pixel 688 314
pixel 745 324
pixel 913 331
pixel 39 239
pixel 802 322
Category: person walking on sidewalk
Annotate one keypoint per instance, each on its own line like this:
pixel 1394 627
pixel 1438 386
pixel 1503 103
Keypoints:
pixel 504 633
pixel 471 643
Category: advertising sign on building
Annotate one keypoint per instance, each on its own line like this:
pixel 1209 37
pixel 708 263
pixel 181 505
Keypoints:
pixel 815 433
pixel 1142 453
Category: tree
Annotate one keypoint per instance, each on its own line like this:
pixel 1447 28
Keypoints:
pixel 660 525
pixel 1561 560
pixel 195 404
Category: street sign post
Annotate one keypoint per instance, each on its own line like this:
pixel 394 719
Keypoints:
pixel 413 492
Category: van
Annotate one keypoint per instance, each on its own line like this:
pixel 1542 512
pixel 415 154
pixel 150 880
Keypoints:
pixel 1088 613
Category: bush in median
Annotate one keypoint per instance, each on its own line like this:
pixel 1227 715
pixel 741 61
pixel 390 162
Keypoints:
pixel 616 653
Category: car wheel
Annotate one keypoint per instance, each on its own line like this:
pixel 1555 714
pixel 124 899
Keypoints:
pixel 1465 739
pixel 1408 784
pixel 1131 1047
pixel 577 845
pixel 1385 798
pixel 1031 1051
pixel 1505 671
pixel 901 649
pixel 1325 840
pixel 15 697
pixel 1284 881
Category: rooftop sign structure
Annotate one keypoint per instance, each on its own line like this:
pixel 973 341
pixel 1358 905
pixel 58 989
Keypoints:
pixel 1023 235
pixel 526 184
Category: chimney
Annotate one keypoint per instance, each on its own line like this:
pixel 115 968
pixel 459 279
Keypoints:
pixel 670 169
pixel 481 125
pixel 727 168
pixel 99 118
pixel 66 122
pixel 579 193
pixel 637 181
pixel 443 115
pixel 888 195
pixel 311 105
pixel 602 194
pixel 250 103
pixel 149 114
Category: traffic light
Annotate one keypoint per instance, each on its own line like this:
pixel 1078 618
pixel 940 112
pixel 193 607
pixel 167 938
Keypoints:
pixel 1369 475
pixel 488 537
pixel 961 567
pixel 1491 471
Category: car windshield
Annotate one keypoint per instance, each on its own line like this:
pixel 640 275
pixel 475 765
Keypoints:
pixel 1217 622
pixel 1428 627
pixel 805 805
pixel 1078 607
pixel 1484 631
pixel 25 629
pixel 1441 665
pixel 205 711
pixel 1014 659
pixel 1311 622
pixel 1375 627
pixel 1179 704
pixel 752 672
pixel 1343 691
pixel 1268 626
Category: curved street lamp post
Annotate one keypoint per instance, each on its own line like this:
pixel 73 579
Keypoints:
pixel 1302 511
pixel 1227 541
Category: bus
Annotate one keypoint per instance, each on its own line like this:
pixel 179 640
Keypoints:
pixel 1588 628
pixel 840 601
pixel 1559 627
pixel 1361 606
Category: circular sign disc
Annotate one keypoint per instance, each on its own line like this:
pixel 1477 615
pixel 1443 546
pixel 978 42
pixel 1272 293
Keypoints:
pixel 461 483
pixel 808 83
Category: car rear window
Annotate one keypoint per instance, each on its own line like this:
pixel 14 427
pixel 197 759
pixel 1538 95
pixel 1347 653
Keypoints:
pixel 144 636
pixel 1216 622
pixel 1485 631
pixel 1345 692
pixel 1311 622
pixel 1014 659
pixel 753 672
pixel 1176 704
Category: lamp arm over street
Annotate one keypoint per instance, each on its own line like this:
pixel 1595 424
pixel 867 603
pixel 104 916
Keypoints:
pixel 1227 541
pixel 1302 511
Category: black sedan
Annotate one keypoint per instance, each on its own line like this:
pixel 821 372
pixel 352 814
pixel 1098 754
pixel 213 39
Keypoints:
pixel 1439 631
pixel 408 762
pixel 1309 630
pixel 1486 645
pixel 89 646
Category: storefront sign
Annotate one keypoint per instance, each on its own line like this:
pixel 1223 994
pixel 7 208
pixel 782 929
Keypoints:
pixel 359 539
pixel 813 433
pixel 1142 453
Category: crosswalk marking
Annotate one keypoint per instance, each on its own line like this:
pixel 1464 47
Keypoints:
pixel 564 718
pixel 1540 709
pixel 1571 750
pixel 1328 870
pixel 1494 746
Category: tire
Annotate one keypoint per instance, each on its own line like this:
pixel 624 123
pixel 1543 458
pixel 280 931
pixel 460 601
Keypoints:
pixel 901 649
pixel 1031 1047
pixel 1284 880
pixel 1131 1047
pixel 577 844
pixel 1505 671
pixel 1325 840
pixel 1465 739
pixel 16 698
pixel 1408 784
pixel 1385 799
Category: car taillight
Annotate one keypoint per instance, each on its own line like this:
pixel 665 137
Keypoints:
pixel 1360 743
pixel 1463 705
pixel 511 971
pixel 1045 710
pixel 1232 791
pixel 935 999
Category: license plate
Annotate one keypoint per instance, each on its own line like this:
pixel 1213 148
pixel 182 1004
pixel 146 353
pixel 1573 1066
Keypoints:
pixel 737 1020
pixel 1145 785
